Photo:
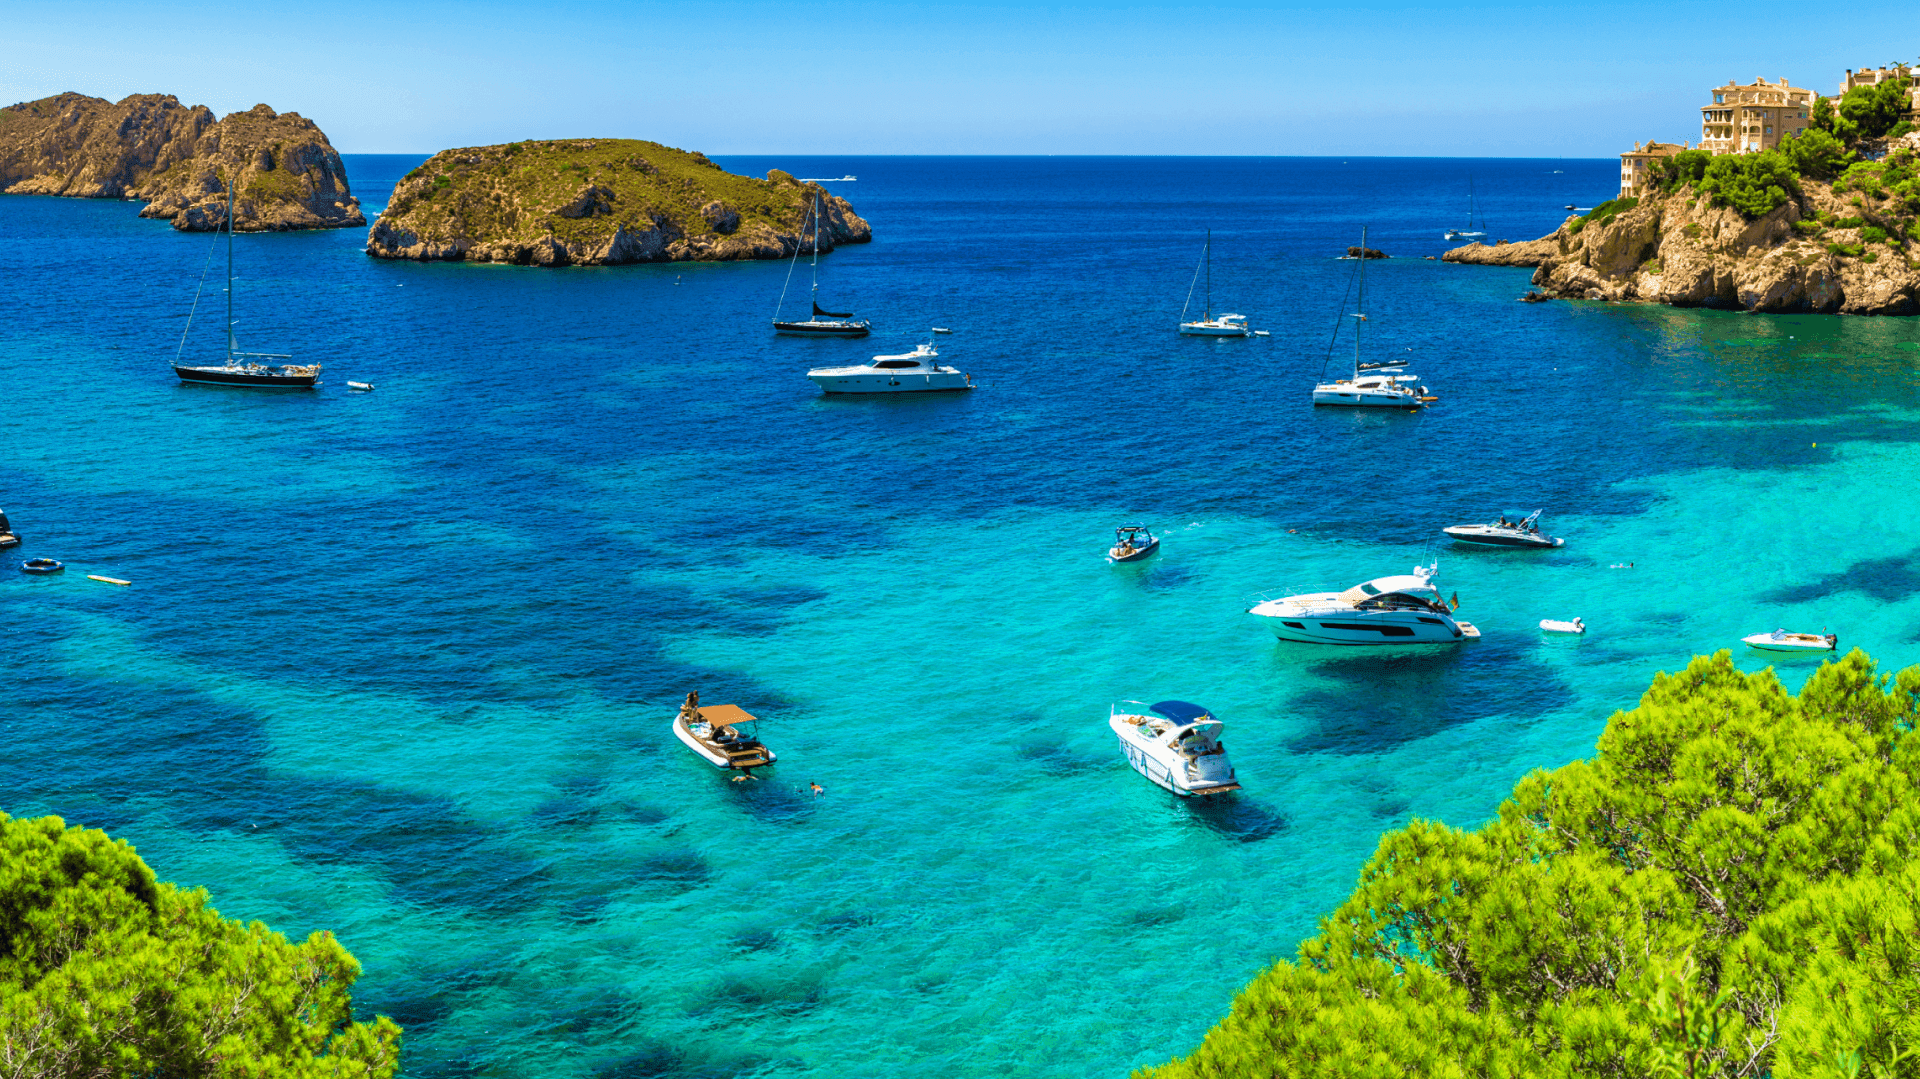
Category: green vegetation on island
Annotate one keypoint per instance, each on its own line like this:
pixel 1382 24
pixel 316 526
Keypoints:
pixel 1730 888
pixel 106 971
pixel 600 201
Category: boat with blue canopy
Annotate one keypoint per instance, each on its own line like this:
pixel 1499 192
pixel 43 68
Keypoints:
pixel 1176 744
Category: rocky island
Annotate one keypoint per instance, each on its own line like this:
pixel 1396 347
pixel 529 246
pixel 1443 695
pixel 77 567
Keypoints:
pixel 597 202
pixel 150 146
pixel 1813 226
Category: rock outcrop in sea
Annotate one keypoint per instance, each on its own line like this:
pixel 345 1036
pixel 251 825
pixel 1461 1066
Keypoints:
pixel 176 157
pixel 1812 253
pixel 596 202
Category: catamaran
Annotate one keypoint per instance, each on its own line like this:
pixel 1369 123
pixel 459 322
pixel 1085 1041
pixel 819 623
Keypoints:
pixel 1210 325
pixel 824 323
pixel 241 368
pixel 1372 385
pixel 1469 234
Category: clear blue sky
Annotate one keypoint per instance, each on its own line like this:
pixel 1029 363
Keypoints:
pixel 1384 77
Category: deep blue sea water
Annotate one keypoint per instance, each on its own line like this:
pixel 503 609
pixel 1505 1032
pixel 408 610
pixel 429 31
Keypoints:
pixel 401 664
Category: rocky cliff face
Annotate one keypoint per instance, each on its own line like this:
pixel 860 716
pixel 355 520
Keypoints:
pixel 1679 249
pixel 151 147
pixel 595 202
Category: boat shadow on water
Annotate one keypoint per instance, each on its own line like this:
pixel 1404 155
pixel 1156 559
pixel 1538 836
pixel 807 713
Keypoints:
pixel 1235 816
pixel 1374 700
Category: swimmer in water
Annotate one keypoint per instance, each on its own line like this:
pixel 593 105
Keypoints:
pixel 818 790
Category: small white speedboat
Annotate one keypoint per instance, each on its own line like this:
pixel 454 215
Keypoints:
pixel 723 735
pixel 1505 533
pixel 1576 627
pixel 918 371
pixel 1782 641
pixel 1403 609
pixel 1175 744
pixel 360 387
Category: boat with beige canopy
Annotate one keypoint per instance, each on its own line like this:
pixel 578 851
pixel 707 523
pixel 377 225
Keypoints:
pixel 723 735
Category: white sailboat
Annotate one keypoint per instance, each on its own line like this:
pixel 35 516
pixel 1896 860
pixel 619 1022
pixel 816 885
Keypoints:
pixel 1210 325
pixel 241 368
pixel 1375 386
pixel 822 323
pixel 1469 234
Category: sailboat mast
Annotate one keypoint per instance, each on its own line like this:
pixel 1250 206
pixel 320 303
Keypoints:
pixel 229 272
pixel 816 249
pixel 1209 252
pixel 1360 314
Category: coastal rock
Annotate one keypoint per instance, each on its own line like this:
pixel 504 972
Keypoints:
pixel 1365 253
pixel 176 158
pixel 1679 249
pixel 599 202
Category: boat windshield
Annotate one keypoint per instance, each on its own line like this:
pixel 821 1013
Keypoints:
pixel 1392 601
pixel 896 363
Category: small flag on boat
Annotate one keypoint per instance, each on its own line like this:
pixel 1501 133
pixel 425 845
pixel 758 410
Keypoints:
pixel 1456 599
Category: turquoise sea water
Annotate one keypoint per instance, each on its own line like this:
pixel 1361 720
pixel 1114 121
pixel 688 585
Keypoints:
pixel 401 664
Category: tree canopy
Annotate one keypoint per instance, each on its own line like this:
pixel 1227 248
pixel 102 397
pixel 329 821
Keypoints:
pixel 1865 112
pixel 106 972
pixel 1728 888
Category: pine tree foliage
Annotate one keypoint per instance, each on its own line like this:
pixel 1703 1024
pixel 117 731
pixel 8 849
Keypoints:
pixel 1728 888
pixel 106 972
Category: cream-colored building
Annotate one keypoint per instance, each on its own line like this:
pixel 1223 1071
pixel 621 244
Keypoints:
pixel 1635 163
pixel 1874 76
pixel 1745 119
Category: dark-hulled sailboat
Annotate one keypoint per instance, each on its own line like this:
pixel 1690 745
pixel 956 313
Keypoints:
pixel 824 323
pixel 243 368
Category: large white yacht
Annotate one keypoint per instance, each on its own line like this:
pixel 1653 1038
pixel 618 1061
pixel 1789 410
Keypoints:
pixel 1175 744
pixel 918 371
pixel 1403 609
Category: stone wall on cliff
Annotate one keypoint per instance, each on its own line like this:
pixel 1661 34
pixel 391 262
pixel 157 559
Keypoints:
pixel 594 202
pixel 1680 249
pixel 176 158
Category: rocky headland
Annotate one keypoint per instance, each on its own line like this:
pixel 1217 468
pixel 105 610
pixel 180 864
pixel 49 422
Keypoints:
pixel 176 158
pixel 1847 251
pixel 597 202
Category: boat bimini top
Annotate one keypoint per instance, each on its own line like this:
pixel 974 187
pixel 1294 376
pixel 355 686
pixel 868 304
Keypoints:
pixel 1182 714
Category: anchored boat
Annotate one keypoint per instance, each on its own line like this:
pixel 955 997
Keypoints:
pixel 1175 744
pixel 1372 385
pixel 1403 609
pixel 1131 543
pixel 1209 324
pixel 242 368
pixel 723 735
pixel 918 371
pixel 1505 533
pixel 824 323
pixel 1782 641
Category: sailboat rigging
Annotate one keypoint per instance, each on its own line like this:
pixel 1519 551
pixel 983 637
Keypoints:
pixel 1209 326
pixel 824 323
pixel 1377 385
pixel 1469 233
pixel 242 368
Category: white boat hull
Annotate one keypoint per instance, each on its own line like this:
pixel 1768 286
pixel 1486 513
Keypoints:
pixel 866 381
pixel 1351 396
pixel 1575 627
pixel 1210 329
pixel 1212 774
pixel 1362 627
pixel 708 753
pixel 1792 642
pixel 1489 536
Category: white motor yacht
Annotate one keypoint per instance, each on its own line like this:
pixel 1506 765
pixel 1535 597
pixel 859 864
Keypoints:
pixel 912 372
pixel 1175 744
pixel 1782 641
pixel 1505 533
pixel 1404 609
pixel 723 735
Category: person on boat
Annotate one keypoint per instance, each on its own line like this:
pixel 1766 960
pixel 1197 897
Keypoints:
pixel 691 706
pixel 1126 547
